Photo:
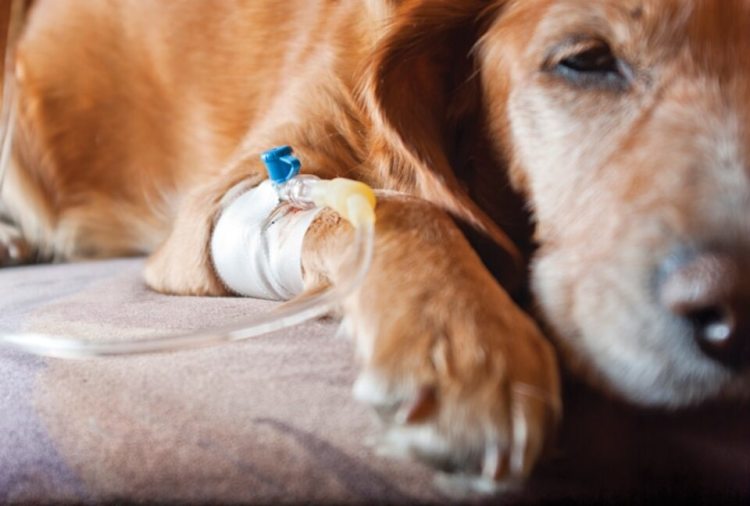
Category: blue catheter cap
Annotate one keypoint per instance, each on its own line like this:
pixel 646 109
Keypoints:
pixel 281 164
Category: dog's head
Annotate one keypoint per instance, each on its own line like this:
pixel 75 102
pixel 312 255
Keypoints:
pixel 626 126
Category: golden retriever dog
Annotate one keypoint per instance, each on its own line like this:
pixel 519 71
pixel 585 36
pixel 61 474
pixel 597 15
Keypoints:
pixel 593 151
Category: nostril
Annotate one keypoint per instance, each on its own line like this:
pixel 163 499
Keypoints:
pixel 703 291
pixel 714 327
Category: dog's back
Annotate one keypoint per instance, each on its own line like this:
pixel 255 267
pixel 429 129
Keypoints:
pixel 119 118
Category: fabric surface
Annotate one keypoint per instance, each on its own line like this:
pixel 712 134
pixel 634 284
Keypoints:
pixel 272 420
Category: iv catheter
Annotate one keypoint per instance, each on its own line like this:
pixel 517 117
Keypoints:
pixel 353 200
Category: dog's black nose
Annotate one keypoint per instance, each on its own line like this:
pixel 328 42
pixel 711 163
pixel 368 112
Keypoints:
pixel 708 291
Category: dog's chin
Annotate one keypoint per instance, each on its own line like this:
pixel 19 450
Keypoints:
pixel 609 334
pixel 654 377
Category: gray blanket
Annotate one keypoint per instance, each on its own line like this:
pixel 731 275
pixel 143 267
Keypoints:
pixel 272 419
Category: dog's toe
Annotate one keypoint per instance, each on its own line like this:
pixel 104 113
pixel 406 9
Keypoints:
pixel 485 431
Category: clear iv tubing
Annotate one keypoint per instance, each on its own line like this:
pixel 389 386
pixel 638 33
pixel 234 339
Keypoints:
pixel 289 314
pixel 352 200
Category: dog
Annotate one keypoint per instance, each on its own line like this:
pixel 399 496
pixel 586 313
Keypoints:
pixel 595 152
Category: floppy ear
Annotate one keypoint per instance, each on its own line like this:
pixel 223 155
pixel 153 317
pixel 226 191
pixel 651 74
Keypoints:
pixel 424 98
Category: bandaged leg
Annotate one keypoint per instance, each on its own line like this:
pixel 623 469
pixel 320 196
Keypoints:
pixel 256 245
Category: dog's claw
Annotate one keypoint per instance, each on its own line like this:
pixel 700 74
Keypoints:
pixel 424 405
pixel 496 463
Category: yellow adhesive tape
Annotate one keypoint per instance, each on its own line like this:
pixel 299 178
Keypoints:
pixel 353 200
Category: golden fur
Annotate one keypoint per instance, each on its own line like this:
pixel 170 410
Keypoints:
pixel 136 117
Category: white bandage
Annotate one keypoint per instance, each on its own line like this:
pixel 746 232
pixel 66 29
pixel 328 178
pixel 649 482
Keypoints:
pixel 256 244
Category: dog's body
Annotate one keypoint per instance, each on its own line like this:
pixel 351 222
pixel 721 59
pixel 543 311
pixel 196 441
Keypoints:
pixel 137 117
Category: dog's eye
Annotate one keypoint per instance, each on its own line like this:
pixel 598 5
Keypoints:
pixel 598 58
pixel 591 64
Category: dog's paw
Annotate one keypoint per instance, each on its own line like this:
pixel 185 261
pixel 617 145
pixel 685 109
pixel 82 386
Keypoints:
pixel 14 249
pixel 469 386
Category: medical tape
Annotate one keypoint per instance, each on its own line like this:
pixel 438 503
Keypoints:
pixel 256 245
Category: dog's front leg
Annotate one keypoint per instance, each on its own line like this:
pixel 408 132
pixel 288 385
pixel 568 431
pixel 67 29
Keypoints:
pixel 182 264
pixel 462 377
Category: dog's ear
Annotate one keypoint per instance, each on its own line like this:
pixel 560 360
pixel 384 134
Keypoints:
pixel 424 98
